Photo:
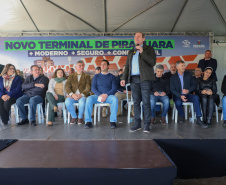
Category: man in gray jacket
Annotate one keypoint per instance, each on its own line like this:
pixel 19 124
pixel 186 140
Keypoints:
pixel 139 72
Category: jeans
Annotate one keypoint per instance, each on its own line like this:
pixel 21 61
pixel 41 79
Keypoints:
pixel 33 101
pixel 165 102
pixel 52 103
pixel 207 102
pixel 113 100
pixel 141 90
pixel 81 107
pixel 190 98
pixel 224 107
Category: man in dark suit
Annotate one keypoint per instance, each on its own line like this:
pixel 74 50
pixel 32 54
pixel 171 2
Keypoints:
pixel 139 72
pixel 182 84
pixel 208 62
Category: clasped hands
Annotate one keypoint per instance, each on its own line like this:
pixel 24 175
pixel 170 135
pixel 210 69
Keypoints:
pixel 207 92
pixel 184 91
pixel 5 97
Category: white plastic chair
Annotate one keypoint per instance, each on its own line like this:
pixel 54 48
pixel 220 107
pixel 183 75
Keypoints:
pixel 98 105
pixel 69 114
pixel 39 110
pixel 185 104
pixel 15 112
pixel 130 104
pixel 216 110
pixel 161 104
pixel 63 109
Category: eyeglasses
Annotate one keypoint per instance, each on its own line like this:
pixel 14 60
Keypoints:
pixel 11 68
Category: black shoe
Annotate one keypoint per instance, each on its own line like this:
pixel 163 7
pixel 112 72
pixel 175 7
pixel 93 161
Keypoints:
pixel 113 125
pixel 200 123
pixel 24 121
pixel 224 124
pixel 181 119
pixel 88 125
pixel 5 122
pixel 33 123
pixel 147 128
pixel 135 128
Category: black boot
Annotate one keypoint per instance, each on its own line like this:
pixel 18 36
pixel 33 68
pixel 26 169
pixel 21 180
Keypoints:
pixel 208 120
pixel 200 123
pixel 24 121
pixel 204 118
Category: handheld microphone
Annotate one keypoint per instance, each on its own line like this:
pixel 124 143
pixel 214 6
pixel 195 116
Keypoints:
pixel 135 49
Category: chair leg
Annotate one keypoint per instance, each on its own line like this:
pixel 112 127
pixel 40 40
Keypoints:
pixel 39 114
pixel 186 111
pixel 128 114
pixel 68 117
pixel 47 112
pixel 192 113
pixel 173 115
pixel 95 114
pixel 176 115
pixel 98 114
pixel 16 113
pixel 121 107
pixel 64 113
pixel 216 109
pixel 42 114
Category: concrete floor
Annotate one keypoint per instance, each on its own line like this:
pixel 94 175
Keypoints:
pixel 61 131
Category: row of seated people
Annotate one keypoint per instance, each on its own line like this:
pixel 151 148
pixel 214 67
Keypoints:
pixel 77 88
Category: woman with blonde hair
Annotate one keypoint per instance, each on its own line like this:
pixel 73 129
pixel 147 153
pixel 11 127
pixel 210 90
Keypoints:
pixel 10 90
pixel 56 93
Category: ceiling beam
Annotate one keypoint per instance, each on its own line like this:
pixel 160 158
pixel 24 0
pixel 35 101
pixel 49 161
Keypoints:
pixel 146 9
pixel 105 16
pixel 79 18
pixel 218 12
pixel 29 16
pixel 182 9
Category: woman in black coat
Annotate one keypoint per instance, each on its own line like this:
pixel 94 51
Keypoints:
pixel 10 90
pixel 206 89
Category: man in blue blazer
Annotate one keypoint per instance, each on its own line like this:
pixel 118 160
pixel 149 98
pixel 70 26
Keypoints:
pixel 209 62
pixel 182 83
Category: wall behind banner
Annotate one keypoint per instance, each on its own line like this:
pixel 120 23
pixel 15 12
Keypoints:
pixel 64 51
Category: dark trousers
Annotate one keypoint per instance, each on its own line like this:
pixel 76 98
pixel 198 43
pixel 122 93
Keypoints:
pixel 191 98
pixel 141 92
pixel 53 102
pixel 5 107
pixel 207 103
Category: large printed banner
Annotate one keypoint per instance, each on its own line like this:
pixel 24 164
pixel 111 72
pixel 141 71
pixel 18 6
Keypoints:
pixel 63 52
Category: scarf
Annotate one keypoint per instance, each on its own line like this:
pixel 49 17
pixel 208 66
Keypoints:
pixel 59 80
pixel 7 81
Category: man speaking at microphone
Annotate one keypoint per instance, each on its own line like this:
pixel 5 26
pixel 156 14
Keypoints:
pixel 139 72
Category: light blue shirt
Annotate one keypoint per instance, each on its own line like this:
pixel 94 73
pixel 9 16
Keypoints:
pixel 135 64
pixel 181 81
